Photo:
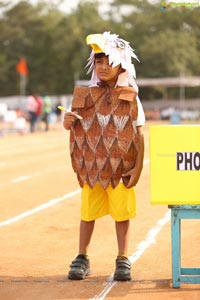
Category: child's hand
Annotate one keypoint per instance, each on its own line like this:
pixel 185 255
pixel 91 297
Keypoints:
pixel 131 177
pixel 69 119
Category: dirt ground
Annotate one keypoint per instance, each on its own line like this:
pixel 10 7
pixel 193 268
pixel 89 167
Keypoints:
pixel 39 224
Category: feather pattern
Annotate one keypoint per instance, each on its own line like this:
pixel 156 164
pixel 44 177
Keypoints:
pixel 104 144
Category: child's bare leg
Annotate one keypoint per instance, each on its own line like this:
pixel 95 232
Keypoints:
pixel 123 233
pixel 80 267
pixel 86 230
pixel 123 265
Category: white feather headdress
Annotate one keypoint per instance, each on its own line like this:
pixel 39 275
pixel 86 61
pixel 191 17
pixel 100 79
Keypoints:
pixel 118 51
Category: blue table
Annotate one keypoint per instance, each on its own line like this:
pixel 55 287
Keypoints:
pixel 180 274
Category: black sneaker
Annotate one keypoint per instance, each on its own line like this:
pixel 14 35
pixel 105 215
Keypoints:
pixel 79 268
pixel 123 270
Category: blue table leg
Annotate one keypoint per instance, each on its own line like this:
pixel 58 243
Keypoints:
pixel 180 274
pixel 176 248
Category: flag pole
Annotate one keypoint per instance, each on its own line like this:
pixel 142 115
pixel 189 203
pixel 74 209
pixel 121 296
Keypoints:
pixel 23 82
pixel 22 69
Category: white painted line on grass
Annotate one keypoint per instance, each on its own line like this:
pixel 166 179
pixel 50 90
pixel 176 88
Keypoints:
pixel 39 208
pixel 143 245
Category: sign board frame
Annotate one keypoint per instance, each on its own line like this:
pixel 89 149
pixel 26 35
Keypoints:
pixel 175 164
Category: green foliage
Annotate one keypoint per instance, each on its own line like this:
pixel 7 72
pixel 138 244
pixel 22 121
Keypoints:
pixel 53 43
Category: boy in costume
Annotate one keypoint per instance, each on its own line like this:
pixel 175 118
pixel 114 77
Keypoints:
pixel 106 146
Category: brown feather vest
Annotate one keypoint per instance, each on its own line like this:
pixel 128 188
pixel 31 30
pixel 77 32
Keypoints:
pixel 103 145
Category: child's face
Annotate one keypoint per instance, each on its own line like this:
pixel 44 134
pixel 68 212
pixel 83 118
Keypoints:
pixel 104 71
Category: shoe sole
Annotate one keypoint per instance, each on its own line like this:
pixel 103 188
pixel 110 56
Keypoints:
pixel 75 276
pixel 122 277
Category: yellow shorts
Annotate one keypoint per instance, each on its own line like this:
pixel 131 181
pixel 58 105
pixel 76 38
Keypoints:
pixel 120 202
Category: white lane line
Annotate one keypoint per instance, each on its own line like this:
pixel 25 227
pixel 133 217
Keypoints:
pixel 143 245
pixel 27 177
pixel 150 238
pixel 19 179
pixel 39 208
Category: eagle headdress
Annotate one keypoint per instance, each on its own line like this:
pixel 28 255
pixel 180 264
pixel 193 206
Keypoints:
pixel 118 51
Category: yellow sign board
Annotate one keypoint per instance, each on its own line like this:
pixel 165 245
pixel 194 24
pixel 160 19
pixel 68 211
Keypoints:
pixel 175 164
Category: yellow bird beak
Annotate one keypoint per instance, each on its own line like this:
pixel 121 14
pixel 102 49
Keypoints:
pixel 97 42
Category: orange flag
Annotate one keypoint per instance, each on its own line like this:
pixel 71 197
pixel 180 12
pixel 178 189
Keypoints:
pixel 22 67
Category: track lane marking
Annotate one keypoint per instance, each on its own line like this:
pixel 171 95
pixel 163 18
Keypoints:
pixel 19 179
pixel 39 208
pixel 30 176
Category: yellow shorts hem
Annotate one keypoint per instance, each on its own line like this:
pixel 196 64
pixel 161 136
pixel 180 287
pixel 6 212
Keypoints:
pixel 119 203
pixel 92 218
pixel 124 218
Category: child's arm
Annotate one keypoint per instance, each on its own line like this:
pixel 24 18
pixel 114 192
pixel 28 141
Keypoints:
pixel 136 171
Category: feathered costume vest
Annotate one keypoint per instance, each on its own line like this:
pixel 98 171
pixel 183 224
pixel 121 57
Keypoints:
pixel 104 144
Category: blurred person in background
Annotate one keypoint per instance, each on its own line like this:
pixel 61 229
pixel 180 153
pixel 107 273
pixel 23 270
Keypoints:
pixel 46 111
pixel 175 118
pixel 34 108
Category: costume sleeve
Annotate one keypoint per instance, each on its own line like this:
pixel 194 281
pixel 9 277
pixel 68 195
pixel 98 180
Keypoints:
pixel 141 116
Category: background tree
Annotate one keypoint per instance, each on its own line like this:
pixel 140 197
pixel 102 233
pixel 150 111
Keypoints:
pixel 53 43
